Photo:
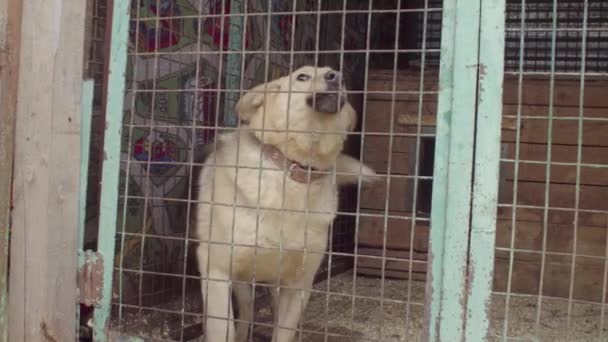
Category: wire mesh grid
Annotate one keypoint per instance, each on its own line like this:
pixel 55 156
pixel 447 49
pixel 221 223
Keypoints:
pixel 550 267
pixel 189 63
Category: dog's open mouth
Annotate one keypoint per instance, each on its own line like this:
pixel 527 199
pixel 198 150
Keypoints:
pixel 326 102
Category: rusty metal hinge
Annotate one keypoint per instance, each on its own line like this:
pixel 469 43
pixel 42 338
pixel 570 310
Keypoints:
pixel 90 277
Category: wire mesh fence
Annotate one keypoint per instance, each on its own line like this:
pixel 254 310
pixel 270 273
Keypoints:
pixel 191 61
pixel 189 64
pixel 550 273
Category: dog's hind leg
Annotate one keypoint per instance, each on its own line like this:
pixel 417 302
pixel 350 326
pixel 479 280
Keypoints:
pixel 244 298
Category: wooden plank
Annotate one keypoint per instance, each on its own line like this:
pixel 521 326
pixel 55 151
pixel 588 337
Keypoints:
pixel 560 195
pixel 406 79
pixel 400 195
pixel 379 144
pixel 10 32
pixel 536 91
pixel 380 122
pixel 390 273
pixel 377 159
pixel 588 277
pixel 564 132
pixel 411 106
pixel 559 153
pixel 46 167
pixel 373 107
pixel 590 240
pixel 554 216
pixel 431 119
pixel 398 232
pixel 418 266
pixel 395 253
pixel 531 130
pixel 532 172
pixel 558 111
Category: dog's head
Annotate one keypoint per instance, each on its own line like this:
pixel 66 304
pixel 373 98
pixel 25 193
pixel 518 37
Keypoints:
pixel 310 105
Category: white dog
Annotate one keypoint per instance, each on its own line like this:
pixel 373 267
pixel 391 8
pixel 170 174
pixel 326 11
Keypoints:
pixel 268 196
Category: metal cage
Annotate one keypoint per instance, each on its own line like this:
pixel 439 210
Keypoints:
pixel 484 121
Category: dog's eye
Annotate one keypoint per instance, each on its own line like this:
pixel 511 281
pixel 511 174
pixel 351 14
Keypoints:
pixel 303 77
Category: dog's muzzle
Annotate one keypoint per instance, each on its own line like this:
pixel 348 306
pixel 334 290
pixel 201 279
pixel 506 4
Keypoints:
pixel 332 100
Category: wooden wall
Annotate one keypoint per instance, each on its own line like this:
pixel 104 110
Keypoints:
pixel 406 243
pixel 10 30
pixel 44 220
pixel 556 187
pixel 589 232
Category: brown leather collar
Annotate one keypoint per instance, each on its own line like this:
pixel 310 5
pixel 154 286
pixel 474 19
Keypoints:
pixel 296 171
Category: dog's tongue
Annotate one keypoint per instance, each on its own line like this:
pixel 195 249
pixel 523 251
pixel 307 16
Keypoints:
pixel 326 102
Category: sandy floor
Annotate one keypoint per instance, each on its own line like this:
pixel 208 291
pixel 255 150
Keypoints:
pixel 338 316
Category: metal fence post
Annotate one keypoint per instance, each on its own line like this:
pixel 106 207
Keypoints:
pixel 486 169
pixel 460 215
pixel 111 163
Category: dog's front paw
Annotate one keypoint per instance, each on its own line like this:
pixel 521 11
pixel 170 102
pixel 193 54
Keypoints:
pixel 350 170
pixel 368 176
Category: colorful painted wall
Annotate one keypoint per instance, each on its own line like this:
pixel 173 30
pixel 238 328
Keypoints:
pixel 176 65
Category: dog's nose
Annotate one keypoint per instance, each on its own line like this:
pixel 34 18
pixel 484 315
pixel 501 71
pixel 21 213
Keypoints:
pixel 332 77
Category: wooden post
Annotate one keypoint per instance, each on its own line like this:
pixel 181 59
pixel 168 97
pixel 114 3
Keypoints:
pixel 43 259
pixel 10 30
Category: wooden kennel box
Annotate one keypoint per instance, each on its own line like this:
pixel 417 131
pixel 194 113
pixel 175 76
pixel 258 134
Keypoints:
pixel 533 101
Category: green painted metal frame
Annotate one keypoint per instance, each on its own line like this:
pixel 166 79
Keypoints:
pixel 86 116
pixel 486 169
pixel 463 219
pixel 111 163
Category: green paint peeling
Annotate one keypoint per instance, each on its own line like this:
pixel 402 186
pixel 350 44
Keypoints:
pixel 487 162
pixel 111 163
pixel 86 114
pixel 460 278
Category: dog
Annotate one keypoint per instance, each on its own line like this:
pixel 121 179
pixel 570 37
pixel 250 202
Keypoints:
pixel 268 194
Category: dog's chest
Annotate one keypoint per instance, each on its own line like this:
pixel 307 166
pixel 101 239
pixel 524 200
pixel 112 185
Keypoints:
pixel 291 214
pixel 290 229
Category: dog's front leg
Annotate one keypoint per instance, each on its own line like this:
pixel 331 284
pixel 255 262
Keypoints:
pixel 292 304
pixel 219 315
pixel 215 289
pixel 349 170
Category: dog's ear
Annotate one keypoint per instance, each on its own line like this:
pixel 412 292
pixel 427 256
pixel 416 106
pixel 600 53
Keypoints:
pixel 252 100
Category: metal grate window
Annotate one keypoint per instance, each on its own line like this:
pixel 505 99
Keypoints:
pixel 537 30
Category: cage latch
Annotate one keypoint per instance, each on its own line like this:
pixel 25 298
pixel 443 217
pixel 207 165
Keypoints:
pixel 90 277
